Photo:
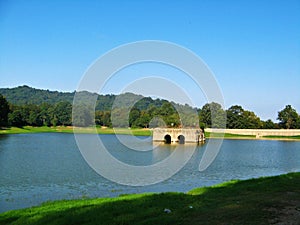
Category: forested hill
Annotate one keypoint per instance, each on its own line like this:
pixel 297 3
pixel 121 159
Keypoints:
pixel 25 95
pixel 35 107
pixel 24 105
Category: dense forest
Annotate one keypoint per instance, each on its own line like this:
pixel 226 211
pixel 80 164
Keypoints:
pixel 24 105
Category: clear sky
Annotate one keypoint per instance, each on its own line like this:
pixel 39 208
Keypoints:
pixel 253 47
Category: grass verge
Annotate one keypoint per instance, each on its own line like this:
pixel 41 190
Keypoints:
pixel 69 129
pixel 227 135
pixel 256 201
pixel 239 136
pixel 283 137
pixel 134 131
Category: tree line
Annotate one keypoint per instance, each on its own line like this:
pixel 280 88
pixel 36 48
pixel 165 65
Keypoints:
pixel 145 113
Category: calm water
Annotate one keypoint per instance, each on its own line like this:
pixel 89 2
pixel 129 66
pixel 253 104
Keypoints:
pixel 39 167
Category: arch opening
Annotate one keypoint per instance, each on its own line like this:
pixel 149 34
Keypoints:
pixel 168 139
pixel 181 139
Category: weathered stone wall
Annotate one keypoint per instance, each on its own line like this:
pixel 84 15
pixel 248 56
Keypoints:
pixel 257 132
pixel 190 135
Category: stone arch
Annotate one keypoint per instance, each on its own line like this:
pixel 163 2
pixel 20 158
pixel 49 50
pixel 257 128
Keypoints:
pixel 168 139
pixel 181 139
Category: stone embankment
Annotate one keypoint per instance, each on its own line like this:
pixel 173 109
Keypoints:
pixel 257 132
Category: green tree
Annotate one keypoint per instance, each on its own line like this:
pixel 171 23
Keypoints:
pixel 289 118
pixel 16 117
pixel 34 117
pixel 134 115
pixel 102 118
pixel 143 120
pixel 212 115
pixel 63 113
pixel 107 119
pixel 166 109
pixel 235 117
pixel 166 113
pixel 173 120
pixel 153 110
pixel 269 124
pixel 45 113
pixel 251 121
pixel 119 117
pixel 98 117
pixel 4 110
pixel 189 117
pixel 83 115
pixel 238 118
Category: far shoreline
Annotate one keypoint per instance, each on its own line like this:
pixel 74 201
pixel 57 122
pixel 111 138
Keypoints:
pixel 259 139
pixel 136 132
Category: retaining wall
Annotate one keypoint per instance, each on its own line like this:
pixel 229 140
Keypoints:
pixel 257 132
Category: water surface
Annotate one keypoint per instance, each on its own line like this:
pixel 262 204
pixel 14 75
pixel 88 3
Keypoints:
pixel 48 166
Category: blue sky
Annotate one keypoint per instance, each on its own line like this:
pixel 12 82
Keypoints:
pixel 253 47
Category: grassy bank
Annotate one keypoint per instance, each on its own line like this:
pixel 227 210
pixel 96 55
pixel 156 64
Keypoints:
pixel 226 135
pixel 239 136
pixel 257 201
pixel 134 131
pixel 283 137
pixel 63 129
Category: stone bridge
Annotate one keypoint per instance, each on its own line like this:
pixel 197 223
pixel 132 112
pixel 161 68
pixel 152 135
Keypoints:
pixel 180 135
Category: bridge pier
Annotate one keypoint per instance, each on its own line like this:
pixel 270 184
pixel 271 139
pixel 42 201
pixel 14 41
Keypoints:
pixel 179 135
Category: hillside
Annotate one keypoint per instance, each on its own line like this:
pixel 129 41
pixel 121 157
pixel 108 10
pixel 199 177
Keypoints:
pixel 27 95
pixel 28 108
pixel 23 95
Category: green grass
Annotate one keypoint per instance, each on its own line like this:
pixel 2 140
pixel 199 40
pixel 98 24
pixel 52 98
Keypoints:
pixel 63 129
pixel 134 131
pixel 255 201
pixel 239 136
pixel 226 135
pixel 26 129
pixel 283 137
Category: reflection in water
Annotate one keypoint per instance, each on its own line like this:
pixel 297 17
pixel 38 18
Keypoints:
pixel 124 164
pixel 40 167
pixel 161 152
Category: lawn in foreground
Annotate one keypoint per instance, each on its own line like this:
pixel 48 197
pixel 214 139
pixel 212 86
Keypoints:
pixel 256 201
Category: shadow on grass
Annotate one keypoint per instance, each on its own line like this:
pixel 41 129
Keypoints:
pixel 235 202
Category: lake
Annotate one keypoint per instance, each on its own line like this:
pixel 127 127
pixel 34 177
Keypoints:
pixel 35 168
